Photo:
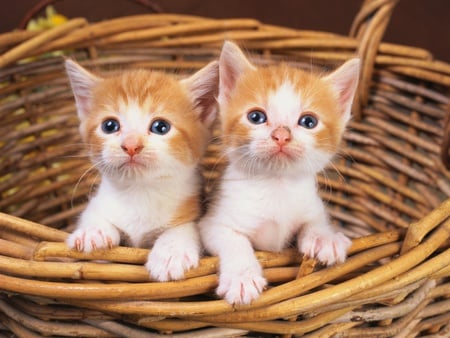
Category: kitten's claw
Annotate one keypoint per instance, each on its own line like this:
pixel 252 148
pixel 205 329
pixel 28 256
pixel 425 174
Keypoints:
pixel 241 288
pixel 91 239
pixel 170 262
pixel 110 242
pixel 329 248
pixel 78 245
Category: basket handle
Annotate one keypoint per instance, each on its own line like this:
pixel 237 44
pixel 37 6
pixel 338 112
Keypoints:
pixel 445 150
pixel 40 5
pixel 368 28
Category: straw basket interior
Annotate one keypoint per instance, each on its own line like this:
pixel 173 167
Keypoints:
pixel 388 190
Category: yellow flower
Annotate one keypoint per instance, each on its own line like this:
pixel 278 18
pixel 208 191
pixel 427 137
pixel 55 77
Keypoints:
pixel 51 19
pixel 57 20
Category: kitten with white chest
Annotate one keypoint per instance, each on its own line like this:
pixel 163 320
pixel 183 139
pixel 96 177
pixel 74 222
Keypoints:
pixel 145 132
pixel 280 127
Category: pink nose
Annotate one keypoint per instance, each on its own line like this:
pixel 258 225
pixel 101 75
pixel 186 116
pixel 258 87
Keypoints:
pixel 132 145
pixel 281 135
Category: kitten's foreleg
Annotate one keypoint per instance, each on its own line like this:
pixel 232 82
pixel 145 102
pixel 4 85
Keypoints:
pixel 241 280
pixel 174 252
pixel 319 240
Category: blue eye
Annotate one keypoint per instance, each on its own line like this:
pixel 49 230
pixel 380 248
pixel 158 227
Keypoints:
pixel 308 121
pixel 110 126
pixel 257 117
pixel 160 127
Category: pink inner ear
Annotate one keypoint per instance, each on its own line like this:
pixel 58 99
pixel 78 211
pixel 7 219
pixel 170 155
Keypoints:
pixel 232 64
pixel 82 83
pixel 82 104
pixel 207 106
pixel 228 78
pixel 346 96
pixel 345 82
pixel 203 87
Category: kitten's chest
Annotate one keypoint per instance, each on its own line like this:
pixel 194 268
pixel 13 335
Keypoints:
pixel 137 212
pixel 278 209
pixel 284 202
pixel 280 198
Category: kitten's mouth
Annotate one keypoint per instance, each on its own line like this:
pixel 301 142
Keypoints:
pixel 132 163
pixel 283 153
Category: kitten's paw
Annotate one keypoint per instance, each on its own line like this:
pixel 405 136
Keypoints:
pixel 168 261
pixel 241 287
pixel 327 247
pixel 90 239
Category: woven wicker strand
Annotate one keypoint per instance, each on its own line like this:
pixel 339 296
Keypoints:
pixel 389 190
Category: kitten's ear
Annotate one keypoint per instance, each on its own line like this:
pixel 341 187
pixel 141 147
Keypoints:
pixel 344 81
pixel 204 87
pixel 232 64
pixel 82 83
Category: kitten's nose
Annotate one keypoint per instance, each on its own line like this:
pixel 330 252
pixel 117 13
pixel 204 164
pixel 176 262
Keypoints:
pixel 132 146
pixel 281 135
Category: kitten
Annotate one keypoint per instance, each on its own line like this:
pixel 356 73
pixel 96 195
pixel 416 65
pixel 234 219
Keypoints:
pixel 280 127
pixel 145 132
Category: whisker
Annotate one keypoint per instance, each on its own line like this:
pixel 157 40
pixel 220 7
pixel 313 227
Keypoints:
pixel 86 172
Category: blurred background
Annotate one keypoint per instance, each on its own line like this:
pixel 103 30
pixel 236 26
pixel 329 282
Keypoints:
pixel 418 23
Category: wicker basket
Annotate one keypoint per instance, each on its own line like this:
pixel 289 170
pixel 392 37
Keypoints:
pixel 390 190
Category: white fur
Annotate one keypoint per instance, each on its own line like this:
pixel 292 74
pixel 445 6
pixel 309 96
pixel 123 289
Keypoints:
pixel 143 183
pixel 283 109
pixel 140 200
pixel 284 105
pixel 264 201
pixel 175 251
pixel 139 208
pixel 265 215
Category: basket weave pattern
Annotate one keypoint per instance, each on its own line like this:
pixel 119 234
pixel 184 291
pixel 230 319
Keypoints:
pixel 389 190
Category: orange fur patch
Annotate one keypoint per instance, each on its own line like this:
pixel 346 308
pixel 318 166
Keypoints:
pixel 255 86
pixel 155 93
pixel 188 211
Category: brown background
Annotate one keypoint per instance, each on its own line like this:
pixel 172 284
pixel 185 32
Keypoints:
pixel 420 23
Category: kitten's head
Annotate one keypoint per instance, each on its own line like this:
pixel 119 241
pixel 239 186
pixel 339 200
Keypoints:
pixel 143 123
pixel 278 119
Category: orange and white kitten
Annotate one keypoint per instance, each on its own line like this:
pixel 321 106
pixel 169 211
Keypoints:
pixel 280 127
pixel 145 132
